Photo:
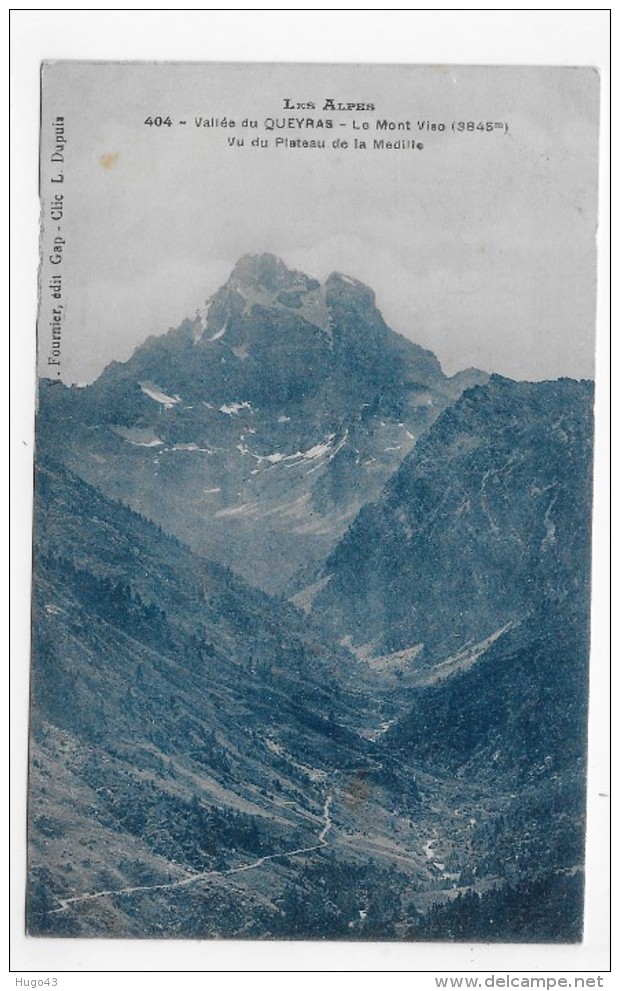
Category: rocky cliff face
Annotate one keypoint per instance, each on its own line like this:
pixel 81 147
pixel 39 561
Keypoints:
pixel 256 430
pixel 487 518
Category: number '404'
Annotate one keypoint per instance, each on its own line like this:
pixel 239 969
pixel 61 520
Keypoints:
pixel 158 122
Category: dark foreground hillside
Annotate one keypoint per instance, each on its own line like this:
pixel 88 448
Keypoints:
pixel 201 767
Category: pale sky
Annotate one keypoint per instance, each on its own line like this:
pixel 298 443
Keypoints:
pixel 480 247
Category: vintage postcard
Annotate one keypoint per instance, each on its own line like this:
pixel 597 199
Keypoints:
pixel 313 502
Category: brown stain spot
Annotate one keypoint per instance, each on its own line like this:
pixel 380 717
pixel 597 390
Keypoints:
pixel 109 160
pixel 357 791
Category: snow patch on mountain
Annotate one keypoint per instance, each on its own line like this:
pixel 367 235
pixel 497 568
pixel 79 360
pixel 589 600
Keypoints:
pixel 201 322
pixel 201 318
pixel 191 447
pixel 138 437
pixel 219 333
pixel 154 392
pixel 233 409
pixel 318 451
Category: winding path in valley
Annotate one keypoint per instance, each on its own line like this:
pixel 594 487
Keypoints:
pixel 66 903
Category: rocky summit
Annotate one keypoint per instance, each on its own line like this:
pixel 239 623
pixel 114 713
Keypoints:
pixel 257 429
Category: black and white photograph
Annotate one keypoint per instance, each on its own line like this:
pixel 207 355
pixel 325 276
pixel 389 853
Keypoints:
pixel 313 502
pixel 313 656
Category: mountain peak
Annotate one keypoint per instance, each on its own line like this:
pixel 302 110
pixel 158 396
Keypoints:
pixel 345 287
pixel 269 272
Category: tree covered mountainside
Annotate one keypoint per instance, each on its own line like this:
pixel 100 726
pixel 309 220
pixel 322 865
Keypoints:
pixel 391 747
pixel 177 713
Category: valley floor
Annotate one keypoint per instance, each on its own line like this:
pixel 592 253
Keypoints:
pixel 352 859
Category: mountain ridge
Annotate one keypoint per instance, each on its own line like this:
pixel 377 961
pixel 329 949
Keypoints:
pixel 481 521
pixel 263 422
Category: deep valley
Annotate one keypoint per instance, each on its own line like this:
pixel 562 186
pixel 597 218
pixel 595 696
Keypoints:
pixel 310 636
